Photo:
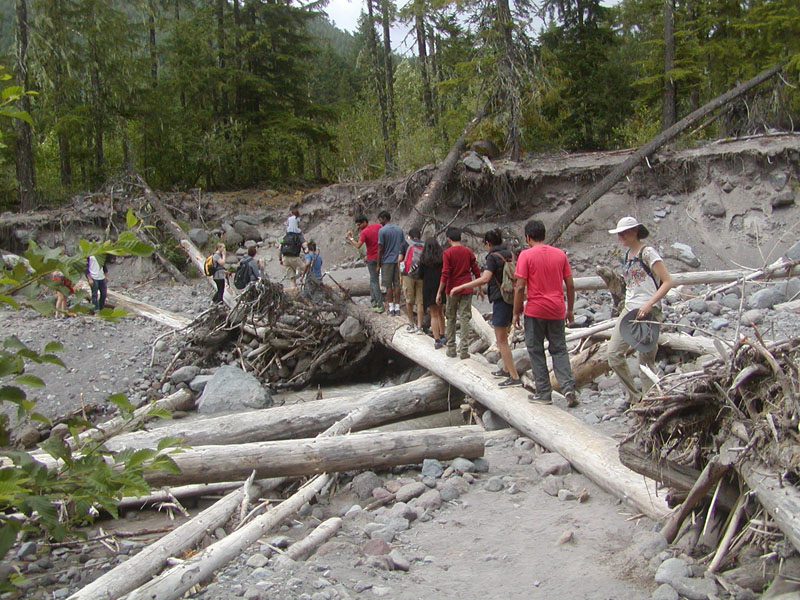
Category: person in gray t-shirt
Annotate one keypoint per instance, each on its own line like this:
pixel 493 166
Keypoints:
pixel 392 248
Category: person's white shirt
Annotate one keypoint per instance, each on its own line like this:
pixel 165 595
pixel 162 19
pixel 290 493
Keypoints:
pixel 95 270
pixel 293 224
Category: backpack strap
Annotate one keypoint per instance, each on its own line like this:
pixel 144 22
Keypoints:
pixel 638 258
pixel 504 259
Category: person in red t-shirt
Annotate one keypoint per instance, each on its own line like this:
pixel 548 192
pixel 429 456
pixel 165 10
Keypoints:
pixel 369 237
pixel 542 272
pixel 458 266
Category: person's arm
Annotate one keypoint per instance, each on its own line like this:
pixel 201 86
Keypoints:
pixel 570 285
pixel 443 279
pixel 660 271
pixel 353 242
pixel 306 267
pixel 519 299
pixel 380 255
pixel 485 277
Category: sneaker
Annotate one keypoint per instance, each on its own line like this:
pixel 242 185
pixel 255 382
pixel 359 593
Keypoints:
pixel 411 329
pixel 572 399
pixel 378 309
pixel 499 373
pixel 537 399
pixel 451 353
pixel 438 344
pixel 464 355
pixel 420 331
pixel 509 382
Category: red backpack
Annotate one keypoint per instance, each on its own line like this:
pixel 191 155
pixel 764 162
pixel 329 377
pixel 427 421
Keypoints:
pixel 411 262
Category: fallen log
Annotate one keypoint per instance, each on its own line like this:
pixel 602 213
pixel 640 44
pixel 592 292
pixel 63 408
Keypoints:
pixel 424 207
pixel 116 299
pixel 323 532
pixel 605 184
pixel 318 455
pixel 140 567
pixel 187 491
pixel 300 420
pixel 589 451
pixel 781 500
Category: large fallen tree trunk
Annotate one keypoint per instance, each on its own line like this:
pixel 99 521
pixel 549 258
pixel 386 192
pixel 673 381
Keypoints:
pixel 301 420
pixel 142 309
pixel 318 455
pixel 424 207
pixel 605 184
pixel 782 500
pixel 589 451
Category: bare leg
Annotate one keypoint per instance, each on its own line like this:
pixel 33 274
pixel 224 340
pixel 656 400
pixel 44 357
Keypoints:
pixel 501 337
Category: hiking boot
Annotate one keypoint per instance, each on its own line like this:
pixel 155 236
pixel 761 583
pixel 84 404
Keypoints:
pixel 537 399
pixel 572 399
pixel 451 353
pixel 499 373
pixel 464 355
pixel 438 344
pixel 509 382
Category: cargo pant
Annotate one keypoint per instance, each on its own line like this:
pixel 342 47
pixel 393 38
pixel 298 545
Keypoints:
pixel 458 305
pixel 536 332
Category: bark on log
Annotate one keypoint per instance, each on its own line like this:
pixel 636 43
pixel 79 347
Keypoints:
pixel 139 568
pixel 424 207
pixel 323 532
pixel 448 418
pixel 301 420
pixel 781 499
pixel 672 474
pixel 322 454
pixel 589 451
pixel 605 184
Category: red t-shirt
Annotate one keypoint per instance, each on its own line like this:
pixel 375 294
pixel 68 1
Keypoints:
pixel 544 268
pixel 369 235
pixel 457 263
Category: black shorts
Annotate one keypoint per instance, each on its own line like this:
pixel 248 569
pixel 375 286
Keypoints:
pixel 502 313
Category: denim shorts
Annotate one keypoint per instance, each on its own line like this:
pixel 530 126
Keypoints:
pixel 502 312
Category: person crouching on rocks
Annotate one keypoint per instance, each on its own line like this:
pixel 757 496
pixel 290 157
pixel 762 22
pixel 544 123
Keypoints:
pixel 647 281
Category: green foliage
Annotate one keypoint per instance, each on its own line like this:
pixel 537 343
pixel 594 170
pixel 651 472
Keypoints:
pixel 52 501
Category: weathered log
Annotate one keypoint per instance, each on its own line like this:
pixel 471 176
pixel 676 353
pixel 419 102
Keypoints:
pixel 321 534
pixel 484 329
pixel 309 456
pixel 447 418
pixel 792 306
pixel 780 499
pixel 424 207
pixel 605 184
pixel 672 474
pixel 140 567
pixel 713 472
pixel 305 419
pixel 589 451
pixel 141 309
pixel 188 491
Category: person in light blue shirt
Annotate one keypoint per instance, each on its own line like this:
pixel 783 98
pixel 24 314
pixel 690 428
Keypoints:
pixel 312 275
pixel 392 248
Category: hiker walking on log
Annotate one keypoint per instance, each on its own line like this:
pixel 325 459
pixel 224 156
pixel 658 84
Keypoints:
pixel 542 273
pixel 502 311
pixel 458 264
pixel 368 237
pixel 391 250
pixel 647 281
pixel 430 264
pixel 218 265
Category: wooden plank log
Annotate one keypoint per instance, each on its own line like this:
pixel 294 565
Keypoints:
pixel 321 534
pixel 141 309
pixel 318 455
pixel 589 451
pixel 605 184
pixel 781 499
pixel 305 419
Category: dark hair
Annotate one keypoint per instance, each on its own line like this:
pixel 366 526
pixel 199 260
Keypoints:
pixel 414 233
pixel 312 246
pixel 431 253
pixel 642 232
pixel 494 237
pixel 454 234
pixel 534 229
pixel 384 214
pixel 296 212
pixel 251 251
pixel 361 219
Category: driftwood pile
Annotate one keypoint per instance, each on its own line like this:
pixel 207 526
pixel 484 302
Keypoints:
pixel 725 441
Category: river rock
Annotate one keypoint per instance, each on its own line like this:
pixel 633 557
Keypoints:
pixel 400 562
pixel 198 236
pixel 649 543
pixel 463 465
pixel 719 323
pixel 198 384
pixel 791 289
pixel 794 252
pixel 670 570
pixel 684 253
pixel 491 422
pixel 551 463
pixel 782 199
pixel 247 231
pixel 352 331
pixel 431 468
pixel 184 374
pixel 364 484
pixel 753 317
pixel 765 298
pixel 713 207
pixel 695 588
pixel 697 305
pixel 230 389
pixel 473 162
pixel 665 592
pixel 410 490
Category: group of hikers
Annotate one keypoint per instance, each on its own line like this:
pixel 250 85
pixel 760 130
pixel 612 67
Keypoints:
pixel 533 290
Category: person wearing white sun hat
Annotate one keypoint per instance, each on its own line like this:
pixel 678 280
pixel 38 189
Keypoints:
pixel 647 281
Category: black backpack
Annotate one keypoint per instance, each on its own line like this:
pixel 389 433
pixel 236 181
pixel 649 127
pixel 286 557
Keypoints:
pixel 291 245
pixel 243 274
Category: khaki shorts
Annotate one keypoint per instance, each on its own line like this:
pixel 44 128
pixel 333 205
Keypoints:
pixel 412 290
pixel 294 266
pixel 389 275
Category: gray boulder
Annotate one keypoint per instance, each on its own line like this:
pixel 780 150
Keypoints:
pixel 230 389
pixel 352 331
pixel 697 305
pixel 233 238
pixel 473 162
pixel 410 491
pixel 250 219
pixel 719 323
pixel 432 468
pixel 364 483
pixel 522 360
pixel 463 465
pixel 184 374
pixel 782 199
pixel 551 464
pixel 649 543
pixel 713 208
pixel 198 384
pixel 670 570
pixel 247 231
pixel 695 588
pixel 766 298
pixel 492 422
pixel 753 317
pixel 684 253
pixel 198 236
pixel 665 592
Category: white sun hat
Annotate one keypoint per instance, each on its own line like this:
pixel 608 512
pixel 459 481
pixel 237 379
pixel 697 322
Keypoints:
pixel 626 223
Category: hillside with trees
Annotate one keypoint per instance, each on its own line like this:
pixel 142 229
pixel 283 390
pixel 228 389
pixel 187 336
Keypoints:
pixel 229 94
